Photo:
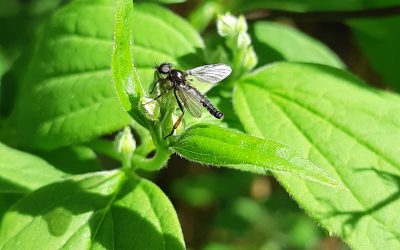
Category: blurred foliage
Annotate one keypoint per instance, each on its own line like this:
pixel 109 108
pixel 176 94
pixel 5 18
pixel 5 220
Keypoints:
pixel 379 39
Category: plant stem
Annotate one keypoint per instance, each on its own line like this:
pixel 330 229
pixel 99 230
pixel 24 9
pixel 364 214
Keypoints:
pixel 157 162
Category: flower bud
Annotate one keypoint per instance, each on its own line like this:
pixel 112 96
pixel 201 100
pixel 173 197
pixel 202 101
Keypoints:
pixel 226 25
pixel 250 59
pixel 243 40
pixel 238 41
pixel 150 108
pixel 125 144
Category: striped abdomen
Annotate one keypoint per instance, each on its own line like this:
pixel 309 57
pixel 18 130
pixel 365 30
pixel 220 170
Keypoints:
pixel 213 110
pixel 203 100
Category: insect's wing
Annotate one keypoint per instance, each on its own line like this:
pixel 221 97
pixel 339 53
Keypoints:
pixel 211 73
pixel 191 101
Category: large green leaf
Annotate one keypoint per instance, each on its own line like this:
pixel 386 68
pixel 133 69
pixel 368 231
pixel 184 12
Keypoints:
pixel 379 40
pixel 341 125
pixel 66 95
pixel 213 145
pixel 21 172
pixel 105 210
pixel 275 42
pixel 69 78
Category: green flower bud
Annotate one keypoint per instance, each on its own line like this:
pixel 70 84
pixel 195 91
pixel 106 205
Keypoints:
pixel 125 144
pixel 243 40
pixel 241 24
pixel 250 59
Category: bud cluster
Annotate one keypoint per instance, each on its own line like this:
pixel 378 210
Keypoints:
pixel 234 29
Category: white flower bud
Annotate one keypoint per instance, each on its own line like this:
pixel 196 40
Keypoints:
pixel 227 25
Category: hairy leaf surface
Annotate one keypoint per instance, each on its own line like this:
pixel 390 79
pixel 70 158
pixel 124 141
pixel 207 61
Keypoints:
pixel 210 144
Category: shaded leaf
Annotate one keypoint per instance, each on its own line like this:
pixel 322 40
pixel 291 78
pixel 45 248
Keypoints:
pixel 169 38
pixel 344 127
pixel 316 5
pixel 73 160
pixel 96 211
pixel 379 40
pixel 162 1
pixel 21 172
pixel 275 42
pixel 66 95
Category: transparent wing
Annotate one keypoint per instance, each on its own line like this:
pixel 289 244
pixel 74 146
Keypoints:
pixel 211 73
pixel 191 101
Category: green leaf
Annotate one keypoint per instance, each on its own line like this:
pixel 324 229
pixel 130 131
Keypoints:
pixel 66 94
pixel 126 80
pixel 274 41
pixel 93 211
pixel 213 145
pixel 161 1
pixel 21 172
pixel 73 160
pixel 4 63
pixel 315 5
pixel 343 126
pixel 9 8
pixel 378 39
pixel 168 39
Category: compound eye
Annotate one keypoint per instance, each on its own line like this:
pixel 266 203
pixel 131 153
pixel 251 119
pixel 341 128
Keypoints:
pixel 165 69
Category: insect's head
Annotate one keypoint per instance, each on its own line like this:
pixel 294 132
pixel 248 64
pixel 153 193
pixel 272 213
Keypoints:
pixel 164 69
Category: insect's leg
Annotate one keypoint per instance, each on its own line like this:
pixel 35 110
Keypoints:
pixel 154 87
pixel 166 91
pixel 176 125
pixel 156 80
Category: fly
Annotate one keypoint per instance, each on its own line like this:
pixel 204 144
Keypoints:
pixel 187 96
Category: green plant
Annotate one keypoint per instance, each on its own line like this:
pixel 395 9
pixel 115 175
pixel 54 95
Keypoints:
pixel 325 135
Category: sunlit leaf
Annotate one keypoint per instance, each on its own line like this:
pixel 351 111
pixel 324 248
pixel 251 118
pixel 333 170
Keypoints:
pixel 213 145
pixel 341 125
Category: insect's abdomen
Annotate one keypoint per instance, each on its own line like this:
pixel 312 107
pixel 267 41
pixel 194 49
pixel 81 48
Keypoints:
pixel 213 110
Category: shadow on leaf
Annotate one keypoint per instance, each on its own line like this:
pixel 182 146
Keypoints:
pixel 94 212
pixel 353 217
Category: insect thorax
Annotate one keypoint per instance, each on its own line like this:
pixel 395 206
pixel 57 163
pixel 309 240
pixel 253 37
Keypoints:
pixel 177 76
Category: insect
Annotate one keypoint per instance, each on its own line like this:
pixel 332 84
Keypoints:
pixel 187 96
